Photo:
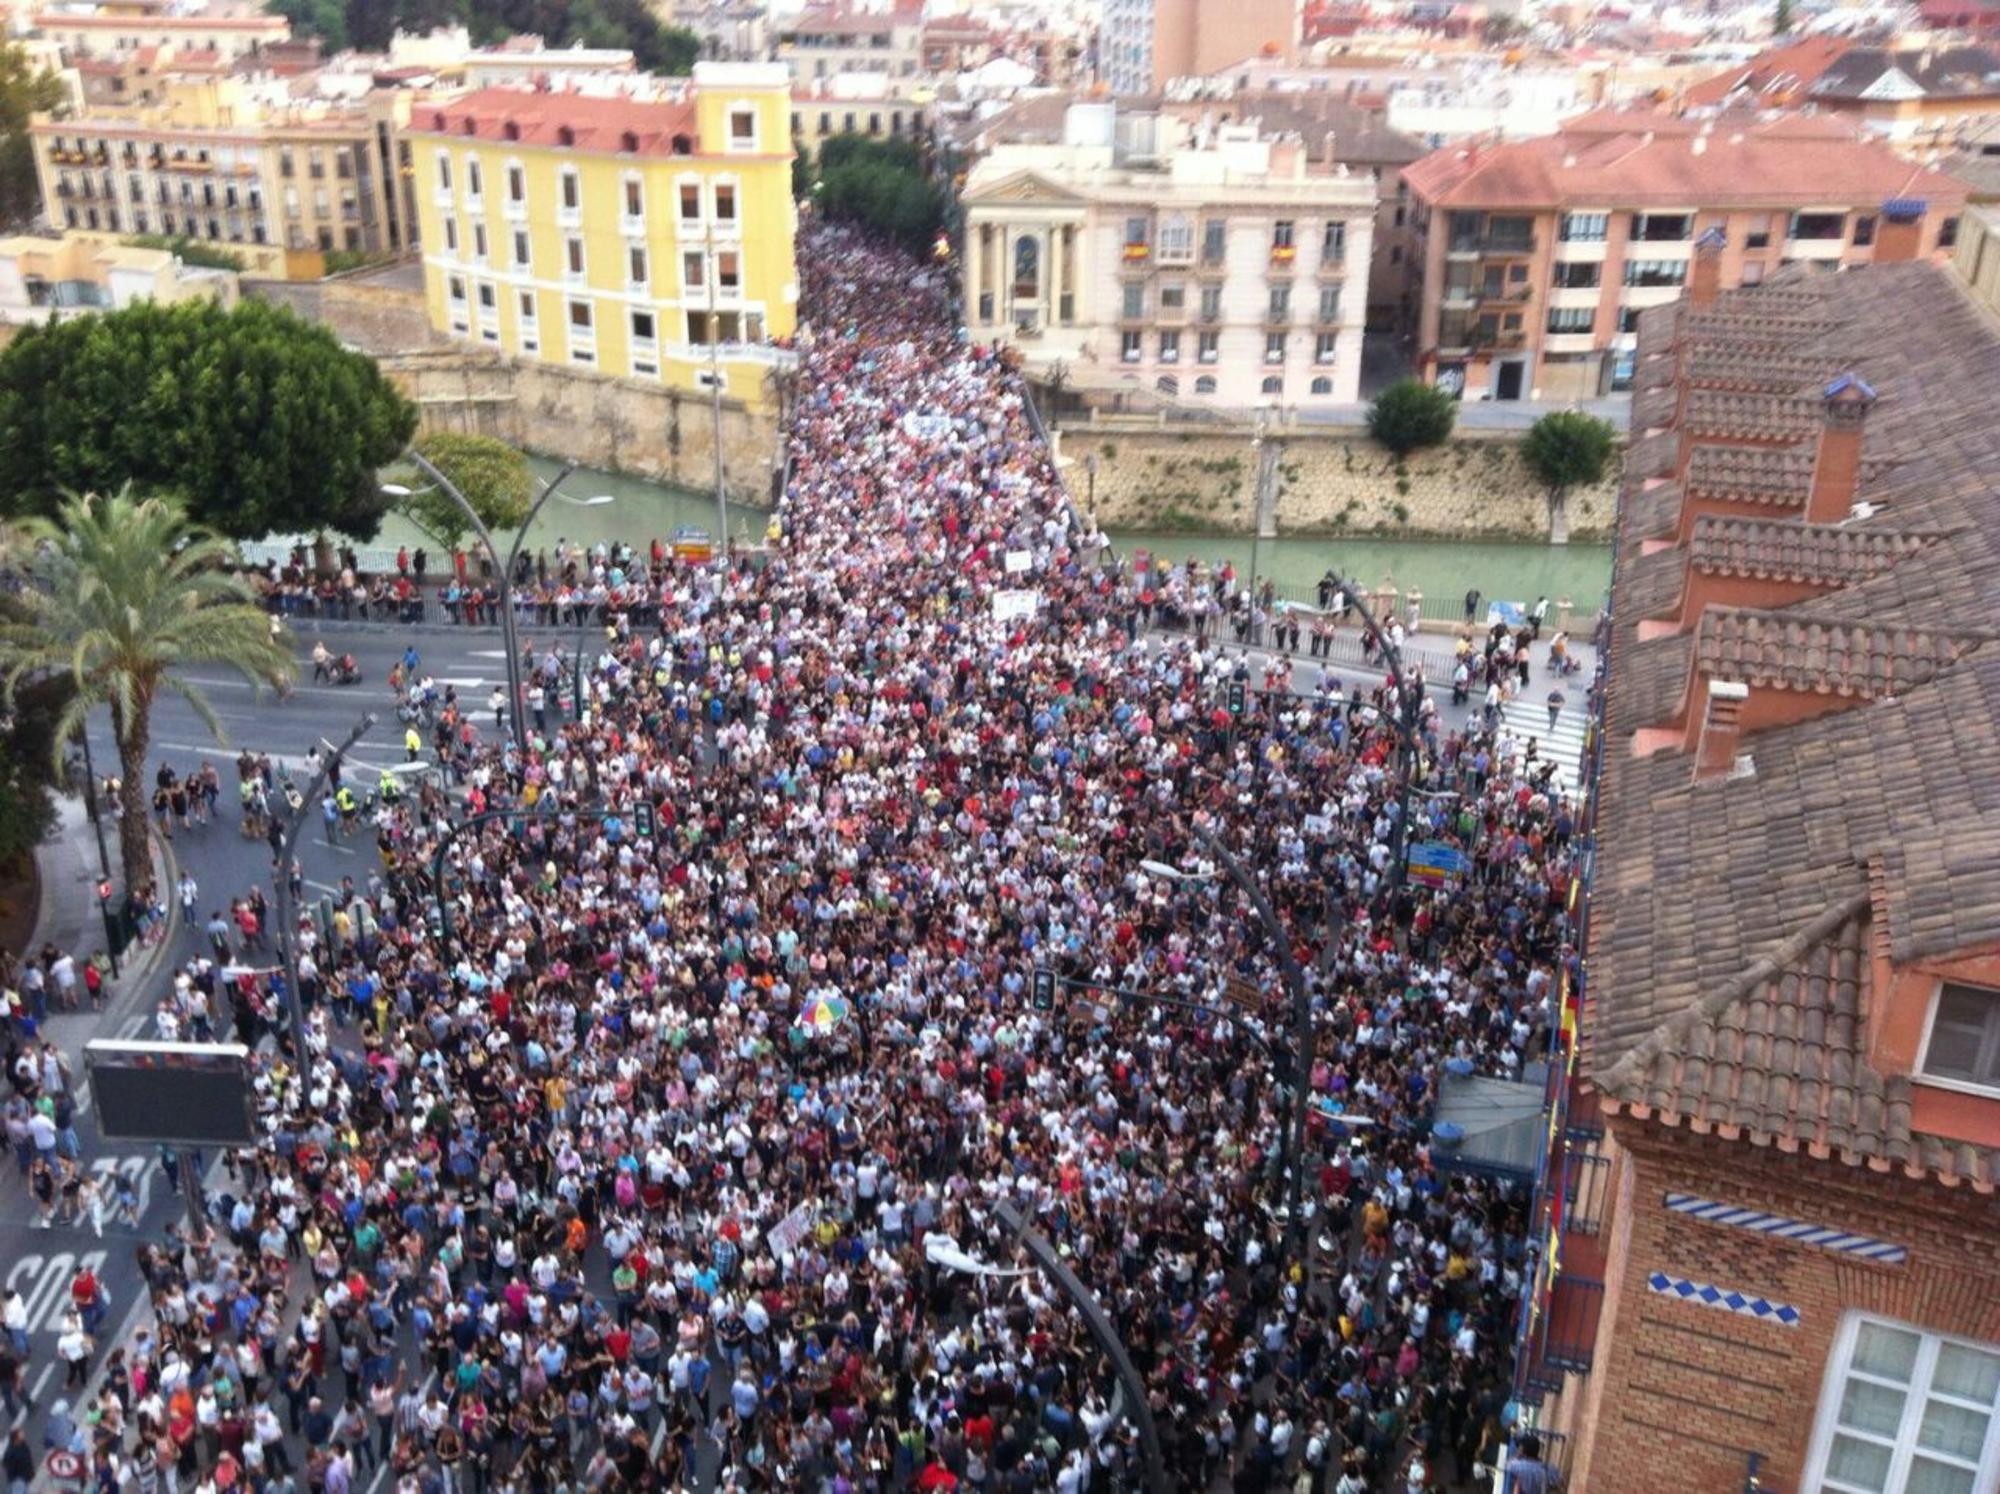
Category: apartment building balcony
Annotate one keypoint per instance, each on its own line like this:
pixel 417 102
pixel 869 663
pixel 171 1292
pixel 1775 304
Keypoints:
pixel 1331 269
pixel 1459 297
pixel 1512 295
pixel 1277 321
pixel 1176 254
pixel 1137 254
pixel 1505 245
pixel 514 209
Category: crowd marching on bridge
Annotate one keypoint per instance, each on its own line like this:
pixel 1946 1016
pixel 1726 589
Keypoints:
pixel 658 1142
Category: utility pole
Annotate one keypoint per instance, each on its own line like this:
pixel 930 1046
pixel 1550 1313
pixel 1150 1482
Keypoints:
pixel 715 390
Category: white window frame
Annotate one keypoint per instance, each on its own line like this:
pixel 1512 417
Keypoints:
pixel 627 221
pixel 734 223
pixel 755 143
pixel 579 273
pixel 475 182
pixel 586 343
pixel 569 217
pixel 518 240
pixel 681 183
pixel 1922 1074
pixel 1986 1474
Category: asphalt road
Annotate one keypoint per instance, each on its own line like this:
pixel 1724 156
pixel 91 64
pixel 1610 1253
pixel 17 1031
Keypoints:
pixel 40 1262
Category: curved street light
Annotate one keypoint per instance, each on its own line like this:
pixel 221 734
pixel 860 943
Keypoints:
pixel 504 565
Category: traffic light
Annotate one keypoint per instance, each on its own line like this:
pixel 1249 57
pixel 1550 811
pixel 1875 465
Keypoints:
pixel 1045 989
pixel 642 816
pixel 1236 697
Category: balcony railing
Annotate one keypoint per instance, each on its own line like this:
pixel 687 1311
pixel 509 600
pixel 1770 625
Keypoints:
pixel 1513 293
pixel 1138 253
pixel 1284 256
pixel 1506 243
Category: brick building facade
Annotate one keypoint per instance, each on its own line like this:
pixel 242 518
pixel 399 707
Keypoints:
pixel 1778 1231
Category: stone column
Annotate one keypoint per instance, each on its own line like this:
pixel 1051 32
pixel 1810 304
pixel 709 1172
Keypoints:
pixel 1056 236
pixel 1048 281
pixel 975 266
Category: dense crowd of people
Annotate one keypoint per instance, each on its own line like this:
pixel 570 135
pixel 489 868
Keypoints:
pixel 666 1085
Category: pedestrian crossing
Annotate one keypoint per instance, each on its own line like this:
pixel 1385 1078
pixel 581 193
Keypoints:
pixel 1562 744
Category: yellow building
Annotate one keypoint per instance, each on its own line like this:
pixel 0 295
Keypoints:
pixel 217 160
pixel 614 234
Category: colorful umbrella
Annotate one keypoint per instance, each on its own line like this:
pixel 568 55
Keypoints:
pixel 823 1013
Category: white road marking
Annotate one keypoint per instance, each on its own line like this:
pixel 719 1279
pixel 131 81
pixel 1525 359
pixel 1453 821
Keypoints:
pixel 462 681
pixel 46 1298
pixel 487 653
pixel 323 886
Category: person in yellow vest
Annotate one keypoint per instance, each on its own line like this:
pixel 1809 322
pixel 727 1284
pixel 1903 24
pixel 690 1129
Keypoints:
pixel 413 742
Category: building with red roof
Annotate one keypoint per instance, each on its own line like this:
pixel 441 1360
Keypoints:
pixel 1539 255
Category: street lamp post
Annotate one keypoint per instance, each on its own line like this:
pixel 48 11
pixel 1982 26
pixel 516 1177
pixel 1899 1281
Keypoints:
pixel 505 567
pixel 103 854
pixel 1101 1328
pixel 1293 1145
pixel 288 919
pixel 1409 702
pixel 715 394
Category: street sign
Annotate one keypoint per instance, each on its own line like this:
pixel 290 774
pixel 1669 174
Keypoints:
pixel 692 544
pixel 182 1094
pixel 1045 989
pixel 1433 862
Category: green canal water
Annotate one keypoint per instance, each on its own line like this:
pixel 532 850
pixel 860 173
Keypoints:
pixel 1441 570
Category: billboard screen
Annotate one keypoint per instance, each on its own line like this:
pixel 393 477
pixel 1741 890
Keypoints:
pixel 184 1094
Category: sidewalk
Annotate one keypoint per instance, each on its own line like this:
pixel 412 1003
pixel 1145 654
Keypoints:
pixel 69 918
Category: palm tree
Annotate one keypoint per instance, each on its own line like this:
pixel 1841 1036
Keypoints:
pixel 122 593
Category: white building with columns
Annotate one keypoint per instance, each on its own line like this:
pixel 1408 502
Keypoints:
pixel 1207 265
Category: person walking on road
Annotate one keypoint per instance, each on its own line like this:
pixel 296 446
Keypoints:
pixel 190 894
pixel 1555 707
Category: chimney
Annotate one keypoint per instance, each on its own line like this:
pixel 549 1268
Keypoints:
pixel 1900 234
pixel 1706 281
pixel 1837 464
pixel 1715 753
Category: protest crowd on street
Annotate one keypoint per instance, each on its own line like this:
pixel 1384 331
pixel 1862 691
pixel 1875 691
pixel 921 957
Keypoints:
pixel 666 1082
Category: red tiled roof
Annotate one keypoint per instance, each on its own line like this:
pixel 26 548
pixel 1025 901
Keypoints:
pixel 1866 659
pixel 1741 1003
pixel 1786 550
pixel 1776 76
pixel 1663 160
pixel 572 121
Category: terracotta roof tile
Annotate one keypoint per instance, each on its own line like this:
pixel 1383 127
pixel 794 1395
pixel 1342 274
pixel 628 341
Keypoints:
pixel 1737 1000
pixel 1781 1056
pixel 1750 474
pixel 648 127
pixel 1822 554
pixel 1868 659
pixel 1751 417
pixel 1641 159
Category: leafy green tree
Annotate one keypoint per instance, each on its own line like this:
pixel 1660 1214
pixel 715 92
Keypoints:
pixel 494 477
pixel 28 754
pixel 325 19
pixel 191 251
pixel 257 421
pixel 880 183
pixel 123 594
pixel 23 91
pixel 1781 22
pixel 1410 414
pixel 1568 449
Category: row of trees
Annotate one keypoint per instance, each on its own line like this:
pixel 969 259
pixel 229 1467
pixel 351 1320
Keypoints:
pixel 369 25
pixel 877 182
pixel 1564 449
